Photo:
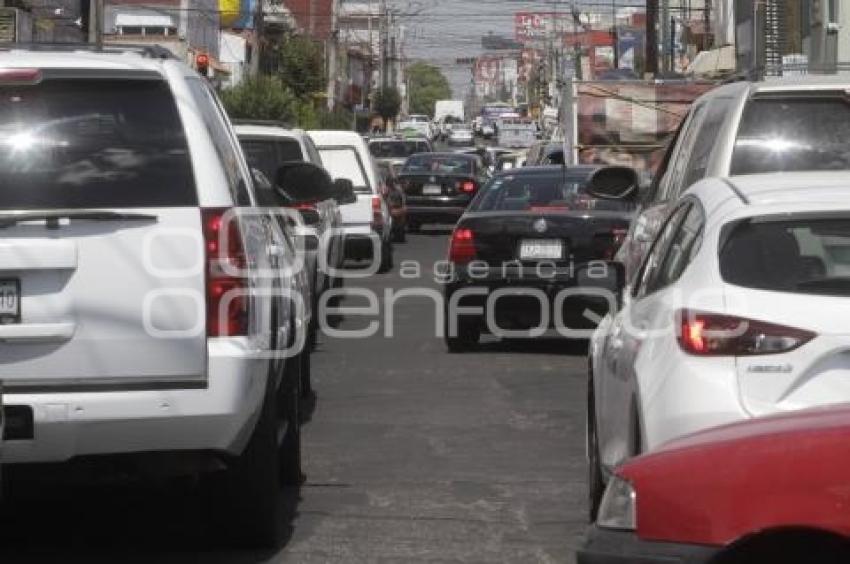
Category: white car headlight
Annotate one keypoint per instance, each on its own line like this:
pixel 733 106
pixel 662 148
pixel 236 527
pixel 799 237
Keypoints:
pixel 618 509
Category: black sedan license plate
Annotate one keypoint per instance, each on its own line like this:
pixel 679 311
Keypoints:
pixel 541 249
pixel 10 301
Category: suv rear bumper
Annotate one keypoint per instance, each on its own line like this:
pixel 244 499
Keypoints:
pixel 218 417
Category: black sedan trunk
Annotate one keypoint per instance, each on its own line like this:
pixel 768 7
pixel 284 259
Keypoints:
pixel 561 237
pixel 436 186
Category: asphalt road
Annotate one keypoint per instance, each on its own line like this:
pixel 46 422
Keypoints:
pixel 411 455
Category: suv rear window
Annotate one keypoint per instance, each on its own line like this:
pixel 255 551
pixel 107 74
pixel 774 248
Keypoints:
pixel 266 155
pixel 802 256
pixel 344 162
pixel 93 143
pixel 793 134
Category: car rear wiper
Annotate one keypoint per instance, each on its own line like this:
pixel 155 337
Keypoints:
pixel 53 217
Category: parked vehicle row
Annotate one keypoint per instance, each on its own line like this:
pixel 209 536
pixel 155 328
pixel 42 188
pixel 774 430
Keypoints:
pixel 161 271
pixel 146 288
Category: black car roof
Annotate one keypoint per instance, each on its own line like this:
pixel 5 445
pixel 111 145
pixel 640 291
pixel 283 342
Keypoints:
pixel 448 154
pixel 571 170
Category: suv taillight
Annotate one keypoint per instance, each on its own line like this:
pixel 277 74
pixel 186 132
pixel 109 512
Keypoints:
pixel 462 246
pixel 466 186
pixel 377 213
pixel 709 334
pixel 227 299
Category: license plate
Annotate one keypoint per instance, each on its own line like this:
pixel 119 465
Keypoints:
pixel 432 189
pixel 541 249
pixel 10 300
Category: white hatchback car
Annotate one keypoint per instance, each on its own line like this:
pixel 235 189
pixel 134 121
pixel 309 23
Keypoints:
pixel 143 307
pixel 739 310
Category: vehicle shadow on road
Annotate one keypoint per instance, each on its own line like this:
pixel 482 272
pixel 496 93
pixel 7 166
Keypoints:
pixel 550 346
pixel 122 523
pixel 436 230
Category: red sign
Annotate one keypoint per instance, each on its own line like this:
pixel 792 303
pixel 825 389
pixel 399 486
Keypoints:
pixel 537 26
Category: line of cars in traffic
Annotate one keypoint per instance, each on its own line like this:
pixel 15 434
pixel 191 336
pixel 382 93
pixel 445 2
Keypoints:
pixel 160 274
pixel 727 364
pixel 718 348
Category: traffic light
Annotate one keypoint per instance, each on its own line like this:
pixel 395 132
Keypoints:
pixel 202 64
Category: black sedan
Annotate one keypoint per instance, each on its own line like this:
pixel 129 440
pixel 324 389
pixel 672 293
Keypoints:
pixel 532 254
pixel 439 186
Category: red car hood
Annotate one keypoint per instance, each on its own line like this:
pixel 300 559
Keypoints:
pixel 777 426
pixel 720 485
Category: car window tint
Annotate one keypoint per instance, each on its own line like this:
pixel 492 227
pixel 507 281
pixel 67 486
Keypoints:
pixel 267 155
pixel 680 251
pixel 228 154
pixel 788 134
pixel 312 152
pixel 808 255
pixel 84 143
pixel 653 261
pixel 438 164
pixel 704 142
pixel 676 173
pixel 541 192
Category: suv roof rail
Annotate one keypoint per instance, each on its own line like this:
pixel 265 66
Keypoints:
pixel 262 122
pixel 149 51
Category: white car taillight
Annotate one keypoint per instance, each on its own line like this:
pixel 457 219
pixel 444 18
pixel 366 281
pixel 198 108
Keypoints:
pixel 709 334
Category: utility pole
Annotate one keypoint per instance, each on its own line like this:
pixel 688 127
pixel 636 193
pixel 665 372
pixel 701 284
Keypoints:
pixel 96 23
pixel 256 40
pixel 666 35
pixel 614 37
pixel 333 48
pixel 385 44
pixel 652 37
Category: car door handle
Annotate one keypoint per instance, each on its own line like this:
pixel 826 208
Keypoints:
pixel 38 332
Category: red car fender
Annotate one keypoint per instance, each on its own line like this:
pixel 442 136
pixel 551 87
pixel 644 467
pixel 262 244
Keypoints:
pixel 717 487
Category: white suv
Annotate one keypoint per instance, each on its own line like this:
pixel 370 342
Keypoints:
pixel 141 306
pixel 367 223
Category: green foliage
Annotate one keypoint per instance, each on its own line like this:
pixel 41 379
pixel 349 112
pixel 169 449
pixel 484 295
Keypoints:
pixel 299 63
pixel 387 103
pixel 293 75
pixel 340 119
pixel 263 97
pixel 427 85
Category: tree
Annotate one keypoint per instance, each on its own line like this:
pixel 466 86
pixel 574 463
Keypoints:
pixel 263 97
pixel 427 85
pixel 387 103
pixel 299 63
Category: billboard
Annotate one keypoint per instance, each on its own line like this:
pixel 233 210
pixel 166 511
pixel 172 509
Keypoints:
pixel 488 69
pixel 538 26
pixel 629 122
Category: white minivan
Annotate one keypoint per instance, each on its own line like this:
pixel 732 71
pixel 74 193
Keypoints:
pixel 367 223
pixel 146 302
